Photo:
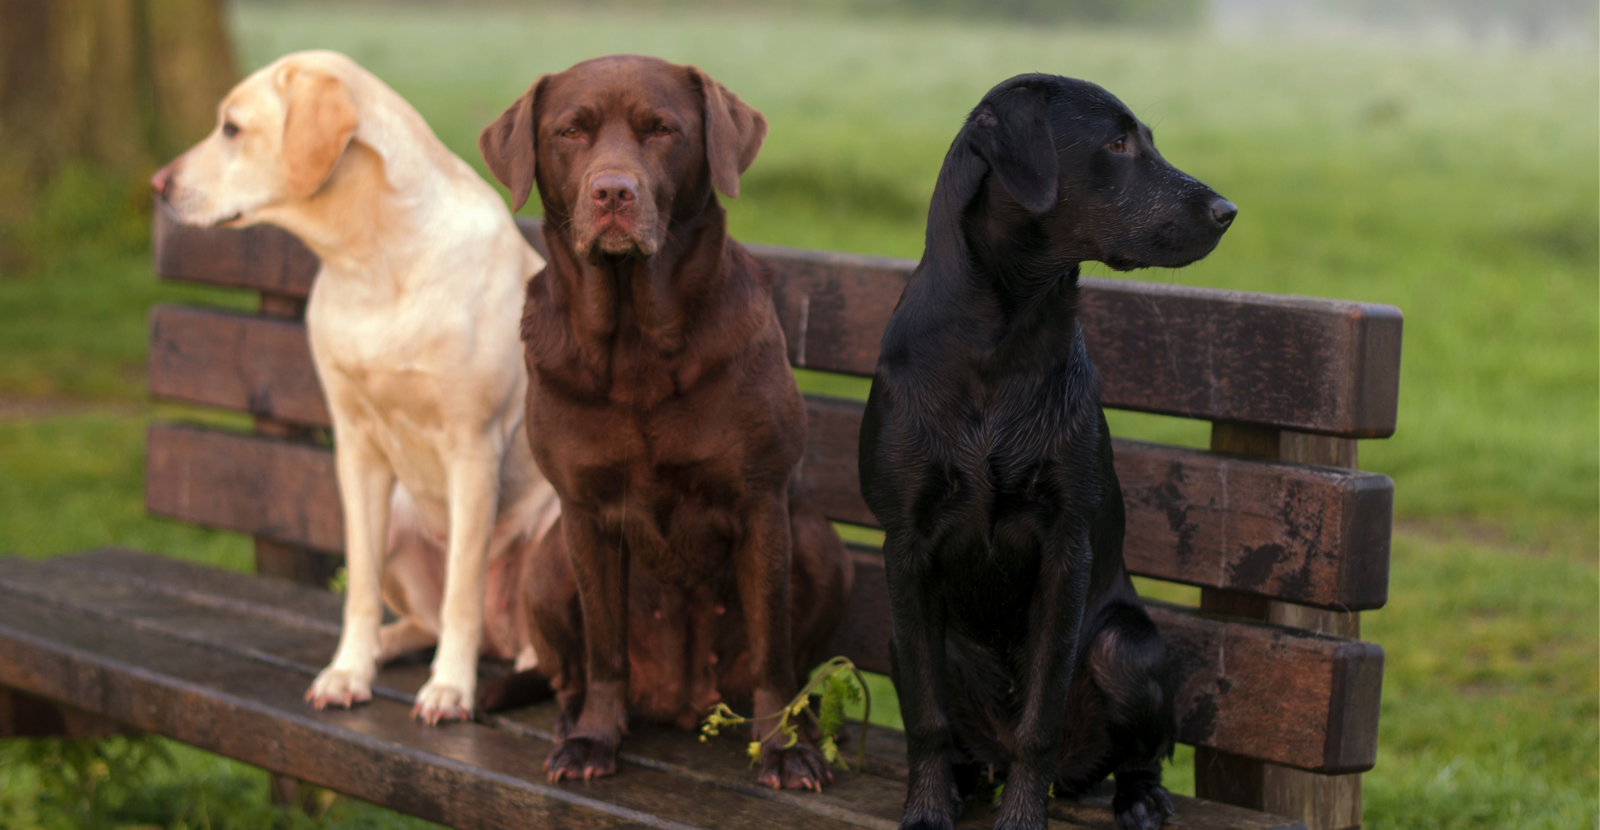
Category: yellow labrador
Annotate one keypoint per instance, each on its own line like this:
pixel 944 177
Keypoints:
pixel 413 325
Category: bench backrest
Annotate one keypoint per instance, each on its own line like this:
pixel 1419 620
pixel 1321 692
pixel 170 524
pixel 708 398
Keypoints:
pixel 1310 535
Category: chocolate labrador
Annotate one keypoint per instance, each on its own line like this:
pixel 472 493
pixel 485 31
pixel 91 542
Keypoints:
pixel 662 408
pixel 1020 646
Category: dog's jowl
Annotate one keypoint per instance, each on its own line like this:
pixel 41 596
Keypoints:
pixel 1020 646
pixel 663 409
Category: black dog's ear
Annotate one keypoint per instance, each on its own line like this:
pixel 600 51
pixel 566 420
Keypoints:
pixel 509 146
pixel 1011 130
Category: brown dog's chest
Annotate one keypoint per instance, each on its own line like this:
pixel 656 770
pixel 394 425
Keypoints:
pixel 670 474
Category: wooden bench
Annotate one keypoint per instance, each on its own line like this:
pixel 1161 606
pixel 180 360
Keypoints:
pixel 1287 541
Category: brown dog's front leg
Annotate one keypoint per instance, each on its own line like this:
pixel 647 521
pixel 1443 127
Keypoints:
pixel 763 575
pixel 1055 620
pixel 600 568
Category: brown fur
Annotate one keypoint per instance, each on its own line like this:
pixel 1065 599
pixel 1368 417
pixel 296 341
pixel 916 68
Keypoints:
pixel 662 408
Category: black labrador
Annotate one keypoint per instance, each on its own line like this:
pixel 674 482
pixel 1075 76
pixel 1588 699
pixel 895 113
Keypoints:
pixel 1020 648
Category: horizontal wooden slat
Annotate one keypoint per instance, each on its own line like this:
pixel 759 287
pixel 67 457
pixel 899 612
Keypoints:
pixel 175 606
pixel 259 365
pixel 1312 535
pixel 263 258
pixel 1279 694
pixel 1312 365
pixel 282 490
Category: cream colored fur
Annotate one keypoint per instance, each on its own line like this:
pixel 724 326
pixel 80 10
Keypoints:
pixel 413 325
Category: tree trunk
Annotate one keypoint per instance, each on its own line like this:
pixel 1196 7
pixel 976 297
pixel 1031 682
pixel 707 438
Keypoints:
pixel 119 84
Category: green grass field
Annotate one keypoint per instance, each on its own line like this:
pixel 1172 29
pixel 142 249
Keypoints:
pixel 1462 186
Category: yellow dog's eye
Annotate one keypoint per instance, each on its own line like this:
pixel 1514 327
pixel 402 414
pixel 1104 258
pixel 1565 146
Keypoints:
pixel 230 129
pixel 571 132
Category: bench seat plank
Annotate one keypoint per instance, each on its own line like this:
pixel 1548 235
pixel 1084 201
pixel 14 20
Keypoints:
pixel 1313 365
pixel 213 658
pixel 1315 536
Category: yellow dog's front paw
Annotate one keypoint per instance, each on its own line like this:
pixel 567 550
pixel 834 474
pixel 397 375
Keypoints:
pixel 440 702
pixel 339 687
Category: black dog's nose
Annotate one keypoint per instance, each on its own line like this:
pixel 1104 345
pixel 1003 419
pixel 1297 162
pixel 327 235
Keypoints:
pixel 1223 211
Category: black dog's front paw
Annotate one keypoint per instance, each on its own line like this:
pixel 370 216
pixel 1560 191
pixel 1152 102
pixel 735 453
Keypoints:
pixel 800 767
pixel 1141 803
pixel 581 757
pixel 924 822
pixel 932 813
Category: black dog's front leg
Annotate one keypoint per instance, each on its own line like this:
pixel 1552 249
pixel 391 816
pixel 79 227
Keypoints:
pixel 1055 622
pixel 918 666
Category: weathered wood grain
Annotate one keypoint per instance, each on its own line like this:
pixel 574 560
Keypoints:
pixel 1303 700
pixel 465 775
pixel 243 362
pixel 263 258
pixel 1320 366
pixel 283 490
pixel 1311 535
pixel 236 615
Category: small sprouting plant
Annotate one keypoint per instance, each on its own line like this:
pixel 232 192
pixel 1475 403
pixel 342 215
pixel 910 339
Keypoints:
pixel 340 581
pixel 839 682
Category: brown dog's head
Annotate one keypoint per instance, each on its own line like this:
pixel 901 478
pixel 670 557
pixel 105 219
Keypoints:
pixel 622 145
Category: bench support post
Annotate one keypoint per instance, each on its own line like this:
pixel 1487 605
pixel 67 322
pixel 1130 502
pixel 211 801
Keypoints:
pixel 1323 802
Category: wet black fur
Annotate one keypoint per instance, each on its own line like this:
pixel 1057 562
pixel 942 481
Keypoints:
pixel 1018 639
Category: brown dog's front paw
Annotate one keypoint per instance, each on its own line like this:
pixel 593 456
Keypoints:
pixel 800 767
pixel 581 757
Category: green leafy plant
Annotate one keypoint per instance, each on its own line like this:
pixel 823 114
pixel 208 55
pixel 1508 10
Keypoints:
pixel 839 682
pixel 83 782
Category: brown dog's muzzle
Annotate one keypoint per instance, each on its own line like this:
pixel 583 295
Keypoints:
pixel 616 215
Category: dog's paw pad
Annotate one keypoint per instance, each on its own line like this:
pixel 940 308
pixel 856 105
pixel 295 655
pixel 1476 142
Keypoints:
pixel 580 757
pixel 439 703
pixel 1141 804
pixel 339 688
pixel 801 767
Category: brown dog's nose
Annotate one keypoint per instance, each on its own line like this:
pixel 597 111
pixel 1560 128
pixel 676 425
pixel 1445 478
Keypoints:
pixel 1223 211
pixel 613 192
pixel 163 179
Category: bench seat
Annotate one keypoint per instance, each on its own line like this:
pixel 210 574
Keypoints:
pixel 221 660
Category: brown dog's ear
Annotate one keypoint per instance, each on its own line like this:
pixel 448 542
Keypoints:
pixel 318 125
pixel 508 146
pixel 734 132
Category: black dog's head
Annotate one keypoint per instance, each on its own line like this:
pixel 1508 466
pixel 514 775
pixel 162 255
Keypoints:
pixel 1072 161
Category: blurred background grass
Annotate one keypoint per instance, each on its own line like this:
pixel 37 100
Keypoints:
pixel 1457 178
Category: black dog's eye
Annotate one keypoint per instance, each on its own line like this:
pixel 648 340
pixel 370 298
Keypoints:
pixel 1120 145
pixel 571 132
pixel 230 129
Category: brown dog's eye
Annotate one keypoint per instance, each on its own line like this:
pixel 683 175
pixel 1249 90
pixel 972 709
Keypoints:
pixel 571 132
pixel 1118 146
pixel 230 129
pixel 661 129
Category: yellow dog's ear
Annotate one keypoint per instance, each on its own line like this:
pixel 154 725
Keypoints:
pixel 734 132
pixel 510 147
pixel 321 118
